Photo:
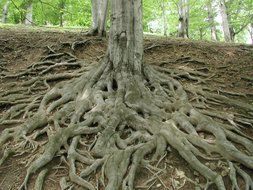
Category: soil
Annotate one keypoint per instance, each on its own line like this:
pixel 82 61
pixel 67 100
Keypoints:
pixel 229 65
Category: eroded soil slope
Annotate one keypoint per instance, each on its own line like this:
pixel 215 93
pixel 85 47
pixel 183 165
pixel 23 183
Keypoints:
pixel 229 66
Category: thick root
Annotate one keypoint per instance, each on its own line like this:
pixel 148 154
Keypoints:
pixel 114 122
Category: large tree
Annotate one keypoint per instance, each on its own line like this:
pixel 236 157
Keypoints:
pixel 122 114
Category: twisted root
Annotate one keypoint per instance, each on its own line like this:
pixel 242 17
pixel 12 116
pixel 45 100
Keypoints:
pixel 129 118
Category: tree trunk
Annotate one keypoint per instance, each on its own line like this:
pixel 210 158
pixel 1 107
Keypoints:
pixel 5 11
pixel 29 14
pixel 183 11
pixel 232 33
pixel 165 27
pixel 99 14
pixel 126 35
pixel 62 5
pixel 251 32
pixel 214 36
pixel 201 33
pixel 225 22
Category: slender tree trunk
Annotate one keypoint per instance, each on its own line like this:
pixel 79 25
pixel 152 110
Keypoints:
pixel 214 36
pixel 5 11
pixel 29 14
pixel 251 32
pixel 165 27
pixel 201 33
pixel 232 33
pixel 99 14
pixel 62 5
pixel 126 35
pixel 183 11
pixel 225 22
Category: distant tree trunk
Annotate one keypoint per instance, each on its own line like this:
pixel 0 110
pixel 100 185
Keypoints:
pixel 165 27
pixel 5 11
pixel 29 14
pixel 183 11
pixel 232 33
pixel 251 32
pixel 214 36
pixel 62 5
pixel 225 22
pixel 99 13
pixel 201 33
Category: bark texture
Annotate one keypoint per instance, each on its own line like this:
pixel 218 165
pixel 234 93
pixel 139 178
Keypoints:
pixel 183 11
pixel 5 11
pixel 126 36
pixel 211 21
pixel 165 26
pixel 99 14
pixel 225 21
pixel 62 4
pixel 29 14
pixel 251 32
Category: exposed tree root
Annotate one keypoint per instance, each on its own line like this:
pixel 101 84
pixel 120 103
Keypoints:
pixel 130 119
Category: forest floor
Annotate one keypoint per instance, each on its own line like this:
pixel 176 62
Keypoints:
pixel 230 67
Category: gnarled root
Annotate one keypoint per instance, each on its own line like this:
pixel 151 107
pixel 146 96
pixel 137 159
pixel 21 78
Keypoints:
pixel 113 122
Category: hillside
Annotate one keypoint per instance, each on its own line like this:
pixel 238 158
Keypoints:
pixel 226 68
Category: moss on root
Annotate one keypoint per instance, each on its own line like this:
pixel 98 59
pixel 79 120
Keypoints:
pixel 127 117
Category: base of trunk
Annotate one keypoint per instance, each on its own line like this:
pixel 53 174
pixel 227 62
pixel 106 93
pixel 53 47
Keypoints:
pixel 96 32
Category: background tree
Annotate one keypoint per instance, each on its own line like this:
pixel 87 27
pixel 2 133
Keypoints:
pixel 62 5
pixel 240 15
pixel 225 21
pixel 211 20
pixel 164 16
pixel 99 14
pixel 183 12
pixel 200 27
pixel 5 11
pixel 26 12
pixel 29 13
pixel 251 32
pixel 158 15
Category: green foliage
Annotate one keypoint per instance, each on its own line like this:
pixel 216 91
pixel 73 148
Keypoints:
pixel 48 12
pixel 77 13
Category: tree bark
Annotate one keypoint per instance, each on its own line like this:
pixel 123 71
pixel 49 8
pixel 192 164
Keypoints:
pixel 251 32
pixel 201 33
pixel 126 35
pixel 5 11
pixel 225 21
pixel 99 14
pixel 62 4
pixel 29 14
pixel 183 11
pixel 165 27
pixel 214 36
